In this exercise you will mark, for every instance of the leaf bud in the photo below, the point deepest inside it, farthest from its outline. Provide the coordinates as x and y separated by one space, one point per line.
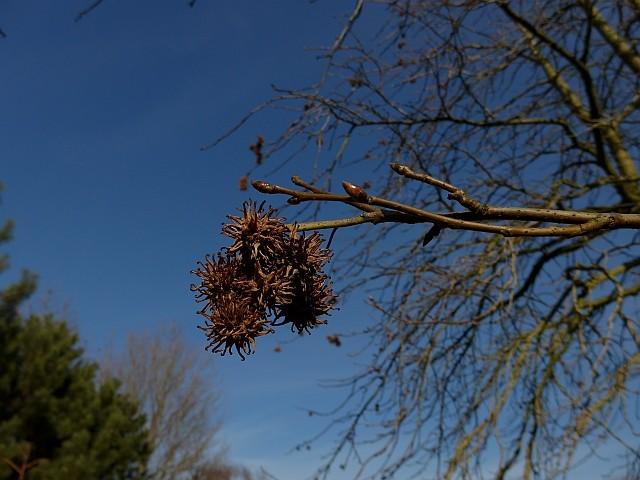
355 192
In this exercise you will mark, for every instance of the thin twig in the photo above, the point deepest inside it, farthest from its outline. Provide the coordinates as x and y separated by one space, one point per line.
312 188
88 10
357 10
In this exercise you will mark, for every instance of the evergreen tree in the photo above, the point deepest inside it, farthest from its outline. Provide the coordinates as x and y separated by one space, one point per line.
56 421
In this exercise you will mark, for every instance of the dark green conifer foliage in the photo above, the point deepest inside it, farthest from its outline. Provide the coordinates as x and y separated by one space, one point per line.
56 421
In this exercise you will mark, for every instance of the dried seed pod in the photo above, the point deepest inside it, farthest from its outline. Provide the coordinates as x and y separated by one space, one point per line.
218 277
235 323
308 306
269 271
257 236
313 295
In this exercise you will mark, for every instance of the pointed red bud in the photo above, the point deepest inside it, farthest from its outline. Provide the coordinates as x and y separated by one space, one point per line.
263 187
355 192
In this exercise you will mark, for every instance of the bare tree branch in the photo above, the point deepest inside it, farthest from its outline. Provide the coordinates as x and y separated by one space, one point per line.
585 222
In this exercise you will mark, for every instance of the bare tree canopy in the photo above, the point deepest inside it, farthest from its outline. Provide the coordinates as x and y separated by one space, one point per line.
173 386
507 339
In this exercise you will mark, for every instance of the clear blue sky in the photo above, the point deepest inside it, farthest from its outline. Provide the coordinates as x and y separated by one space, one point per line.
100 131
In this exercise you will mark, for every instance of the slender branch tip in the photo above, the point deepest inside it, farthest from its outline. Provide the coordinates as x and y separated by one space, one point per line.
398 167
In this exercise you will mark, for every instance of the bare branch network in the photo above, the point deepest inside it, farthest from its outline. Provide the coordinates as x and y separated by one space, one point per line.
510 346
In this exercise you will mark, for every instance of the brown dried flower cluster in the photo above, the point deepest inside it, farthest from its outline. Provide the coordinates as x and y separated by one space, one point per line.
269 276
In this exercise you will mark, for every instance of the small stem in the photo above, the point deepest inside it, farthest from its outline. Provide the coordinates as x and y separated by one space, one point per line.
455 193
324 224
312 188
375 217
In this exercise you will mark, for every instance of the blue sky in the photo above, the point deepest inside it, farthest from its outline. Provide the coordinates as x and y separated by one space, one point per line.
114 202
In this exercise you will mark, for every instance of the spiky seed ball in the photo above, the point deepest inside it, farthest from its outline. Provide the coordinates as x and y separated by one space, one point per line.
313 295
235 323
218 277
269 270
258 236
313 298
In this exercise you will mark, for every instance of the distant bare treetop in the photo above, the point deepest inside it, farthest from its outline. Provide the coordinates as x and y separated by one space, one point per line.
174 387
